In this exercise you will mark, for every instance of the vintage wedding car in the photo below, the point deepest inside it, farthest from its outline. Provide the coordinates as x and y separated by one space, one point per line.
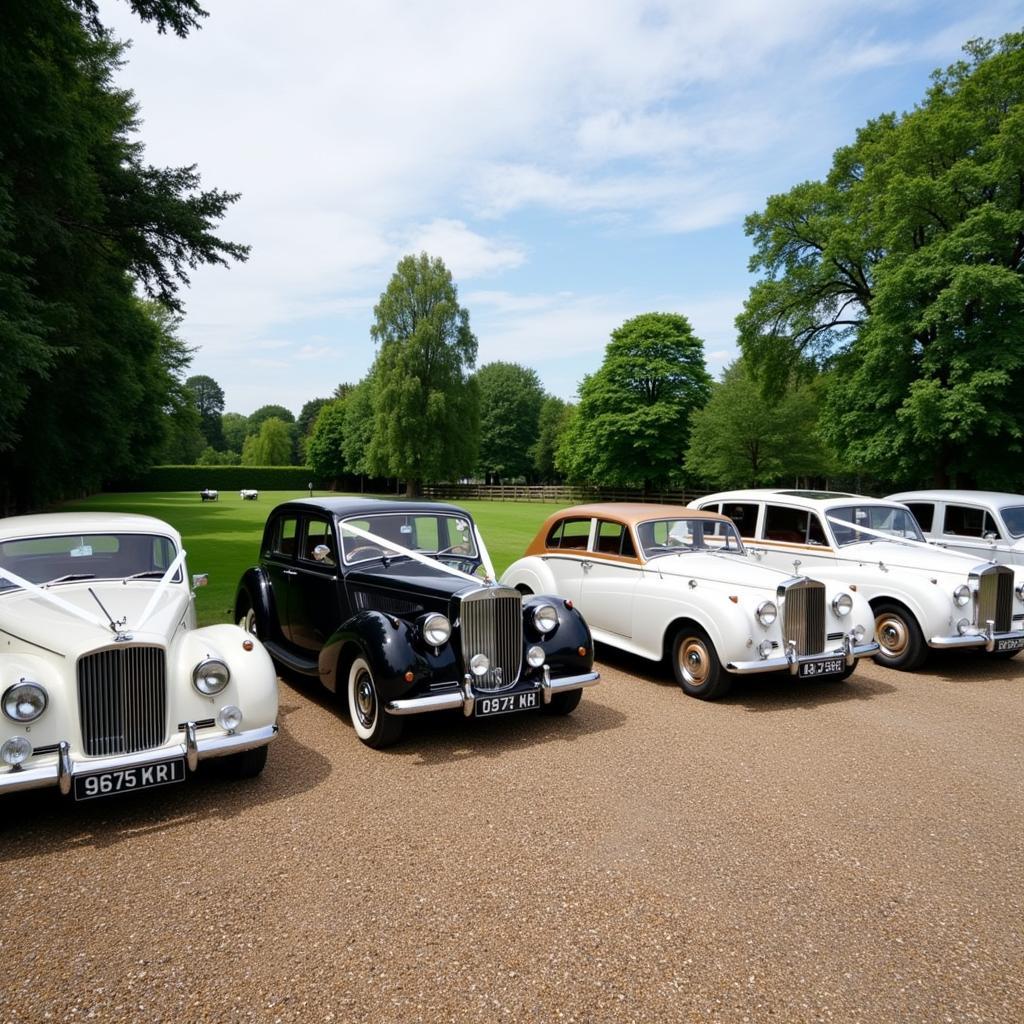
659 580
922 596
106 684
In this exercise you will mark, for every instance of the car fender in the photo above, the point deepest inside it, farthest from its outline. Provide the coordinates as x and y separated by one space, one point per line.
254 587
562 647
531 572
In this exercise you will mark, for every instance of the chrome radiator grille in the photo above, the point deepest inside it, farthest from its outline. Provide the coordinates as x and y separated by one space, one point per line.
803 616
492 624
122 700
995 598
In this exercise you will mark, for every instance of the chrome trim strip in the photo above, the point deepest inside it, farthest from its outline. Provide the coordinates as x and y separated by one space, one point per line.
848 651
983 639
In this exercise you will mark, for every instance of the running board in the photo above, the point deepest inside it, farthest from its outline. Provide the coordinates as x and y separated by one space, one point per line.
307 666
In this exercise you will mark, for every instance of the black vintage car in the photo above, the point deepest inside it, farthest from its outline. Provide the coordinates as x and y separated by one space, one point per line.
384 602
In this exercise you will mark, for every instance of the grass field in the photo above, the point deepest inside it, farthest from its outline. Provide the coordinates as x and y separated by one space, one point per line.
222 538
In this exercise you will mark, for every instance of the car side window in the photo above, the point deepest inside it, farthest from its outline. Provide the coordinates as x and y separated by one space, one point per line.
285 533
785 524
815 531
924 513
743 515
614 539
962 521
571 534
318 532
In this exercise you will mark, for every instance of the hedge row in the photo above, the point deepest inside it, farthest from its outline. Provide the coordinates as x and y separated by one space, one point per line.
220 478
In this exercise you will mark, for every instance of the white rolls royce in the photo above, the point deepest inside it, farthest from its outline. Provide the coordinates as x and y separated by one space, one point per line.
922 596
663 581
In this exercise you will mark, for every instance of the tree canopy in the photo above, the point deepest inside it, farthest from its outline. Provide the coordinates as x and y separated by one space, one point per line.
632 423
902 271
208 396
272 446
552 424
426 405
325 449
510 403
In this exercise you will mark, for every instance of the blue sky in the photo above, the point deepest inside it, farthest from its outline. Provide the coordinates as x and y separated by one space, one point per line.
573 163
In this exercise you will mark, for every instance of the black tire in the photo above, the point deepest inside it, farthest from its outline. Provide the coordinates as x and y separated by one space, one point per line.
696 665
900 637
847 672
373 725
1004 655
245 765
524 590
563 703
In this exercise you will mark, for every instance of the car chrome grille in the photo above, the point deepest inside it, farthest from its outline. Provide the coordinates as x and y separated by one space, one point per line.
492 624
803 615
122 700
995 598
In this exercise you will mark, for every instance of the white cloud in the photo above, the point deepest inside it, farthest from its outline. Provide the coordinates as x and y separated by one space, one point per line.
465 253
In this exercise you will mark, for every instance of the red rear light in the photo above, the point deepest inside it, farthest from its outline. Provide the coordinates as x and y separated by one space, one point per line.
568 603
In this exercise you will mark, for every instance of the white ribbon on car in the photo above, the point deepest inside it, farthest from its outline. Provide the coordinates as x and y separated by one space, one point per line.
880 534
417 556
59 602
161 587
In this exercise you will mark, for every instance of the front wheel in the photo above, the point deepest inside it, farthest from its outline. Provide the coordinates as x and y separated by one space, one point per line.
899 636
247 621
696 665
563 703
246 765
373 725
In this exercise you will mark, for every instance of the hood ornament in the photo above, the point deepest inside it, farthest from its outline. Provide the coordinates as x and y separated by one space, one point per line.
116 625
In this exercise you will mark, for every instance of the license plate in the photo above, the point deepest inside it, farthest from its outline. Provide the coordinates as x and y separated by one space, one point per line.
127 780
1010 643
823 667
508 702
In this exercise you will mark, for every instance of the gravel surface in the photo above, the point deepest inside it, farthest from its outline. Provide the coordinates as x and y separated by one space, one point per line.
800 851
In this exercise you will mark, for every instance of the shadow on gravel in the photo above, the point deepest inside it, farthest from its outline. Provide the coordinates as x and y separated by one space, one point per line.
770 691
974 667
42 819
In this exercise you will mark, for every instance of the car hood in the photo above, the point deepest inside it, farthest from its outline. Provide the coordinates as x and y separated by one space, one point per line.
406 576
920 557
32 617
727 570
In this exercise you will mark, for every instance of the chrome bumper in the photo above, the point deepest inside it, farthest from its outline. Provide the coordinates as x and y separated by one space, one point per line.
792 661
465 697
193 750
986 638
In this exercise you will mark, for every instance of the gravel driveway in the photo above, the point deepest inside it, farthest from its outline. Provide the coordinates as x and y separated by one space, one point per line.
801 851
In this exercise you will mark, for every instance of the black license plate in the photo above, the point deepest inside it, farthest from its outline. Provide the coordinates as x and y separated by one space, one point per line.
506 703
128 780
823 667
1010 643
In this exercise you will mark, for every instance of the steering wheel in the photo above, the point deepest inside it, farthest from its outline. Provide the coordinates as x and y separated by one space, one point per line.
465 563
365 551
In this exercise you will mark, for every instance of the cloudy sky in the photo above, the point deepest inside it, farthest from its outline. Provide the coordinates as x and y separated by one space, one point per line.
573 163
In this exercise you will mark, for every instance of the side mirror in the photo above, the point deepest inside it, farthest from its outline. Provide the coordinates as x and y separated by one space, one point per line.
991 537
321 552
200 579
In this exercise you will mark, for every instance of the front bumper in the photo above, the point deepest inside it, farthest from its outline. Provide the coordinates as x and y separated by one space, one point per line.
986 638
850 651
194 750
465 697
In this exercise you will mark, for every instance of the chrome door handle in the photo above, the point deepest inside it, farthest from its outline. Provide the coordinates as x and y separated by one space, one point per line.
587 566
290 572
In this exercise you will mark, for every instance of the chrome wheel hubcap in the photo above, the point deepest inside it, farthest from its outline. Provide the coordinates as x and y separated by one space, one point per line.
366 702
693 661
892 636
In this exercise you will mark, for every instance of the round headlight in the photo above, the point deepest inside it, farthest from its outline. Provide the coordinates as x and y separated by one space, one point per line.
479 664
229 717
436 630
842 604
767 613
859 632
210 676
962 595
535 656
16 750
962 626
545 618
24 702
764 648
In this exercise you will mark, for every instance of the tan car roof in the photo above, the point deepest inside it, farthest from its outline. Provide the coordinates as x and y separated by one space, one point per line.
628 512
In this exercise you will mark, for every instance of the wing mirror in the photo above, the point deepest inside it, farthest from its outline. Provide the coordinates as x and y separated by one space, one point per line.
200 579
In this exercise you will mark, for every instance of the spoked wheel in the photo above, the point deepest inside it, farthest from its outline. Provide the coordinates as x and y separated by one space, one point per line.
899 636
696 666
373 725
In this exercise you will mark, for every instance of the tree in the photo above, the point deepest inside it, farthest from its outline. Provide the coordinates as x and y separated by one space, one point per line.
265 412
272 446
743 439
426 409
632 425
235 428
325 450
510 403
357 431
304 426
84 222
552 423
902 271
209 401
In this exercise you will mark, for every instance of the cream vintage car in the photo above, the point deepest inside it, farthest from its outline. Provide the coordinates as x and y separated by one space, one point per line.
662 581
922 596
106 684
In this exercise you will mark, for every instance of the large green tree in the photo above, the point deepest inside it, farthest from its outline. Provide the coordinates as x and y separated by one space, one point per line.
510 403
325 448
904 271
357 433
272 446
632 423
742 438
84 223
208 396
552 424
235 428
426 405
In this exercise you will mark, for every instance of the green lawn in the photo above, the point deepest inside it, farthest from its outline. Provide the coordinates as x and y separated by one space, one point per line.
223 537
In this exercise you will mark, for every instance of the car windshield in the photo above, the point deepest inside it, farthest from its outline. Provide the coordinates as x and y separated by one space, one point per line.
432 533
852 524
1013 518
677 536
96 556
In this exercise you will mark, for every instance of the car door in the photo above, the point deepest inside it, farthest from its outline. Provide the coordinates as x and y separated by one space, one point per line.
566 549
314 609
794 539
972 530
279 564
610 579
